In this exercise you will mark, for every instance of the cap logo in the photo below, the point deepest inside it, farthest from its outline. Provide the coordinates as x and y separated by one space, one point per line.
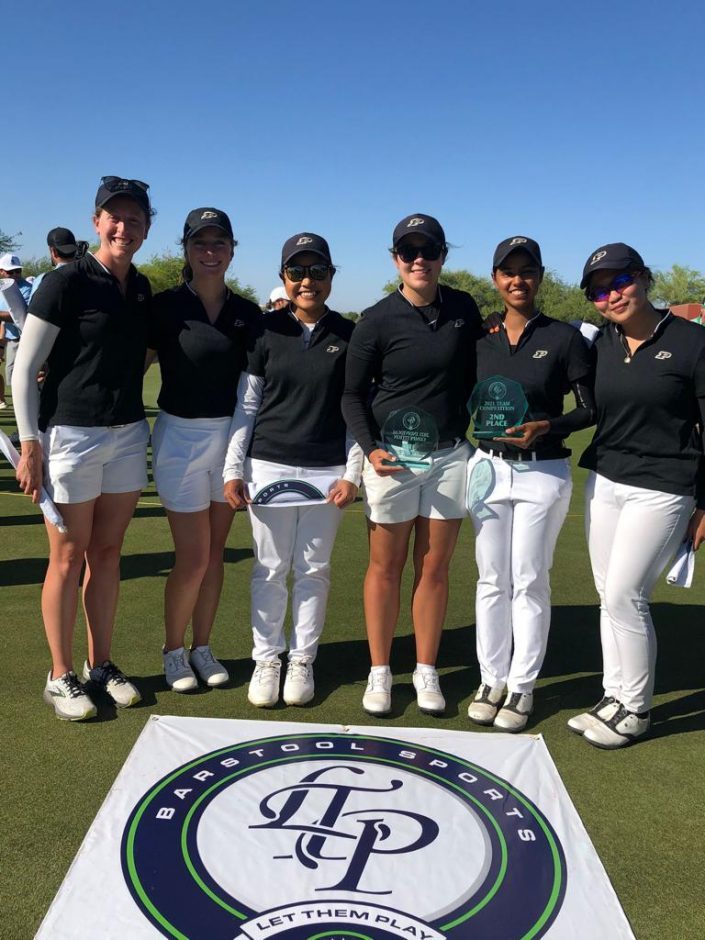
662 354
304 240
209 215
414 222
518 241
598 256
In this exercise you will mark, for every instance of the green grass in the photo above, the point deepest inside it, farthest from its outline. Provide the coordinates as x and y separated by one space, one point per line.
643 807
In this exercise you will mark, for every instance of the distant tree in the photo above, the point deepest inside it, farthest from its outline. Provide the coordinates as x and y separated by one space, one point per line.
31 267
562 301
164 271
8 242
351 315
680 285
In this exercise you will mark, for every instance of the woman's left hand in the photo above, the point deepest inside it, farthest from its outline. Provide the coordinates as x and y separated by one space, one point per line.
696 528
529 431
342 493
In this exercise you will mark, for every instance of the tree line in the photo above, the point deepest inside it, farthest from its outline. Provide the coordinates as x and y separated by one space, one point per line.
556 298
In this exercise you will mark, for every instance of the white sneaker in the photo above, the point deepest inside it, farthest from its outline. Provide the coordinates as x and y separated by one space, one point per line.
113 681
264 684
3 405
484 707
429 697
514 714
202 661
179 675
298 684
619 729
605 708
377 699
68 698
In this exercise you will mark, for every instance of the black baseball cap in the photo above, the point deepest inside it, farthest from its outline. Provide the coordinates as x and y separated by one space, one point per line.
63 241
204 217
111 186
613 257
419 224
305 241
516 243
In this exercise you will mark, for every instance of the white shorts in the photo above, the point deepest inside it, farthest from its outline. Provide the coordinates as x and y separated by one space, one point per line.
436 493
188 459
82 463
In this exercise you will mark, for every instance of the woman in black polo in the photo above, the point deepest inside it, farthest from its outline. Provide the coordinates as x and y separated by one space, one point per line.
291 463
414 349
646 487
519 487
199 331
88 446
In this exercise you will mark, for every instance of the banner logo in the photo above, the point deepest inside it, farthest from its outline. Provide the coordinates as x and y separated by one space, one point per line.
298 836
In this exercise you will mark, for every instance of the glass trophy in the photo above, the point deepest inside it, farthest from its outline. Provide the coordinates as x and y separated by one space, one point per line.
411 434
496 404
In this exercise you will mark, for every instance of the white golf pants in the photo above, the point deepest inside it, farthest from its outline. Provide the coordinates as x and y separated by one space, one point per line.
298 539
632 533
517 513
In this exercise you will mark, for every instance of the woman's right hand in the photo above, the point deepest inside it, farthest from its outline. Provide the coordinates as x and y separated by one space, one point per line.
235 494
30 469
378 457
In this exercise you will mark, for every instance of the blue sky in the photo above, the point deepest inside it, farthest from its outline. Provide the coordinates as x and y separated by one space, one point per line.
577 124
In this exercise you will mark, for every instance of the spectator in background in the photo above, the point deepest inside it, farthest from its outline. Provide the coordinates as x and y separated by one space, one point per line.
11 266
277 300
63 249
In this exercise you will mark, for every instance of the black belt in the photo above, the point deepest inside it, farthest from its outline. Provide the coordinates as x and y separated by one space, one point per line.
520 456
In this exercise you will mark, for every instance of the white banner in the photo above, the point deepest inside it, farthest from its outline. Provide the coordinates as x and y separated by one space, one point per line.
247 829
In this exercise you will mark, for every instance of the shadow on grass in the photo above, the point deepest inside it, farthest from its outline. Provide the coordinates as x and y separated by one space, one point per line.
571 676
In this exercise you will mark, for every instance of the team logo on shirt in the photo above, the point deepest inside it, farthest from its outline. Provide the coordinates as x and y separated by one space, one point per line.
412 223
598 256
295 836
540 354
458 324
332 349
304 240
663 354
239 323
140 298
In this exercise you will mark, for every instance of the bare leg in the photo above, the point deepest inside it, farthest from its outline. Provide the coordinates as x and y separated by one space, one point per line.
220 518
434 543
191 532
389 546
60 590
101 582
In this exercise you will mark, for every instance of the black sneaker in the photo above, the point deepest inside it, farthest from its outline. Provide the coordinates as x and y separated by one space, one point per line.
113 681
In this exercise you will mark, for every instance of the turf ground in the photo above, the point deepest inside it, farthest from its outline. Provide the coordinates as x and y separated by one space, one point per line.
643 807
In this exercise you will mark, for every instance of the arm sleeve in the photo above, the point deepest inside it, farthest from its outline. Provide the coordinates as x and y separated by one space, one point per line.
354 460
38 338
580 371
249 398
361 368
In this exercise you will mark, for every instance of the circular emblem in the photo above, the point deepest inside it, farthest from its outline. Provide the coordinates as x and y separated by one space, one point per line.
303 836
497 390
411 421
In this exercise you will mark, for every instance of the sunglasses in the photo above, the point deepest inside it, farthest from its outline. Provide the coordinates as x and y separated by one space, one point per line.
116 184
409 253
618 284
317 272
